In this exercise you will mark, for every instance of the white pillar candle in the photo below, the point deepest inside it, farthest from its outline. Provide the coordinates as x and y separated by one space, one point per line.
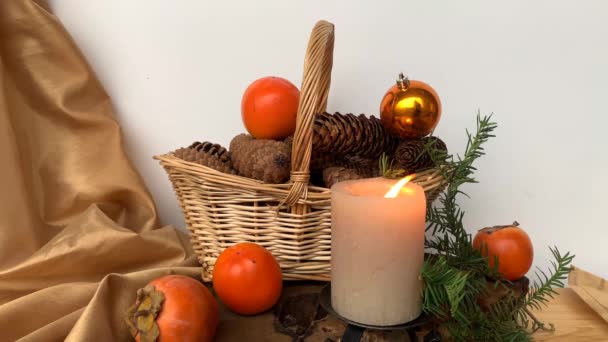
377 251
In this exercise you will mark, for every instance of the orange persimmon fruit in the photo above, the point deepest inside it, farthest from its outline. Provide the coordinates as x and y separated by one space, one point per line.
247 278
186 311
510 245
269 108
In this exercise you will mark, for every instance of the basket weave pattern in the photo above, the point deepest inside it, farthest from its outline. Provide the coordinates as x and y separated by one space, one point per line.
293 221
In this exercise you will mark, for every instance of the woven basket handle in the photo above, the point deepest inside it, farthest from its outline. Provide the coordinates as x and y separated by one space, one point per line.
313 100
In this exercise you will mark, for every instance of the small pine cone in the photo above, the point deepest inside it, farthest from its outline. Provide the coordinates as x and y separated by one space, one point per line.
336 174
206 158
367 167
212 149
265 160
410 154
321 161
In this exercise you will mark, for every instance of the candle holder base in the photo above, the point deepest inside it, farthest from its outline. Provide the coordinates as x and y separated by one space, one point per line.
354 330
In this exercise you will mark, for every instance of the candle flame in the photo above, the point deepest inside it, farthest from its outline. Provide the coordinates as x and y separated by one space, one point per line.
394 191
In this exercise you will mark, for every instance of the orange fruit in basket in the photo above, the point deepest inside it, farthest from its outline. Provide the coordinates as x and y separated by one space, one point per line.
510 245
269 108
247 279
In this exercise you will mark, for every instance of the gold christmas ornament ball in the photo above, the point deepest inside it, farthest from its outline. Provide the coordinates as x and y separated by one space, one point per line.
410 109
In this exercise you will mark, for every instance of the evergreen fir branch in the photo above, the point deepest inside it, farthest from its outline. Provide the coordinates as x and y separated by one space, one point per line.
456 291
544 289
447 219
495 325
455 276
449 290
460 270
536 323
436 274
460 169
499 331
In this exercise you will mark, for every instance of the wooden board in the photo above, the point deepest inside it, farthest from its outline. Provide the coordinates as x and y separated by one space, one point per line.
574 320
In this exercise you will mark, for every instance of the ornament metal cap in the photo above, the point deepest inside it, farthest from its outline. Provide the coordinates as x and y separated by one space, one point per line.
403 81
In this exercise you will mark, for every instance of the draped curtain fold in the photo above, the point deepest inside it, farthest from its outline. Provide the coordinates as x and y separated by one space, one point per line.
78 228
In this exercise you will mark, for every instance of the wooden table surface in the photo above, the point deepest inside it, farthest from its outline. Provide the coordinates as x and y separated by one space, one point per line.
573 319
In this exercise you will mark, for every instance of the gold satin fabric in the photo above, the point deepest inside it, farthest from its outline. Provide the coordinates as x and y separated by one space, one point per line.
78 228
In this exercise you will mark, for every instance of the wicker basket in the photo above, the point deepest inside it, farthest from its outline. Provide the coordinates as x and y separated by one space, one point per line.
293 221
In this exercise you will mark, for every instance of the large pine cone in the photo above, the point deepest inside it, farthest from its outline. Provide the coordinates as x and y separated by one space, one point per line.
347 134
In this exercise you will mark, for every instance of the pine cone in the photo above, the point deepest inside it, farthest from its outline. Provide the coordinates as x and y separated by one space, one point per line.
336 174
289 141
364 166
347 134
410 154
208 157
321 161
265 160
212 149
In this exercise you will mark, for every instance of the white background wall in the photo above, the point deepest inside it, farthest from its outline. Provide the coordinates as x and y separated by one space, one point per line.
176 71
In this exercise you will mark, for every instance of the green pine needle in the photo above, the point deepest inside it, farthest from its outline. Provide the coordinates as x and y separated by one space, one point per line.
544 289
387 170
